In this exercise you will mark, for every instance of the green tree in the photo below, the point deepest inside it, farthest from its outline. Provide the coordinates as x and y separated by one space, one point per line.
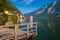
6 5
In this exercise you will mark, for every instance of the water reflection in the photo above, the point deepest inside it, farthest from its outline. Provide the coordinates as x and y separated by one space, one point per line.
48 29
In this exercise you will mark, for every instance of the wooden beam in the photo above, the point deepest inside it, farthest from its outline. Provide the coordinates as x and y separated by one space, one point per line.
31 21
36 29
16 31
27 30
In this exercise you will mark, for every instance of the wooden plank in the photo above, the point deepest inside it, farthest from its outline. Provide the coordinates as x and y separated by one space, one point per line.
18 32
28 31
16 24
6 36
31 22
36 29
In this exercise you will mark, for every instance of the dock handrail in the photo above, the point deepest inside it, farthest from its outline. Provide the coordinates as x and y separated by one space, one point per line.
16 24
24 28
28 29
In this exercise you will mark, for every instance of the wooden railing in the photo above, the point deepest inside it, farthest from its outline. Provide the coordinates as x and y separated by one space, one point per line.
28 29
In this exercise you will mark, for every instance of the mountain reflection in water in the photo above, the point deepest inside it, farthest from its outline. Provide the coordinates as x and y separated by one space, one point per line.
48 31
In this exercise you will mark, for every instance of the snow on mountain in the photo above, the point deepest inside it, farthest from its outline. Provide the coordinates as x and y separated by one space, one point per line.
49 9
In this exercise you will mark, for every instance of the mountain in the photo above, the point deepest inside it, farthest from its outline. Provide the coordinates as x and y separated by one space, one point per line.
47 9
48 16
8 9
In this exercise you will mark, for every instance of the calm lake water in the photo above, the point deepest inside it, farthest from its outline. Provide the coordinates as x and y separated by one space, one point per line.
47 32
44 33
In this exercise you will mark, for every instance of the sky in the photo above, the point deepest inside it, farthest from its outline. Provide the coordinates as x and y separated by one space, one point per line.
26 6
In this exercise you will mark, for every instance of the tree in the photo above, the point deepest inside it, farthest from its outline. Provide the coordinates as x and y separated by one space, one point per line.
6 5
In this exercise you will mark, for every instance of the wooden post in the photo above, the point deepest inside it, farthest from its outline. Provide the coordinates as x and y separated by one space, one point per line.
16 28
29 27
16 31
31 21
36 29
27 30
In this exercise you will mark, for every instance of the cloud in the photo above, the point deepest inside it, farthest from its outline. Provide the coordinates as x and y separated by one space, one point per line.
27 1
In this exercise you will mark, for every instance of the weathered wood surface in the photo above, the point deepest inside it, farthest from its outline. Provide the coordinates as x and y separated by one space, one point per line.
6 33
9 34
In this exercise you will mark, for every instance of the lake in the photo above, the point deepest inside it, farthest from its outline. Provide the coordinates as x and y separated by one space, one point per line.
48 33
47 30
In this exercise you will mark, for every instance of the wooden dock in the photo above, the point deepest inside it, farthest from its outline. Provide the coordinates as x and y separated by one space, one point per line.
18 33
